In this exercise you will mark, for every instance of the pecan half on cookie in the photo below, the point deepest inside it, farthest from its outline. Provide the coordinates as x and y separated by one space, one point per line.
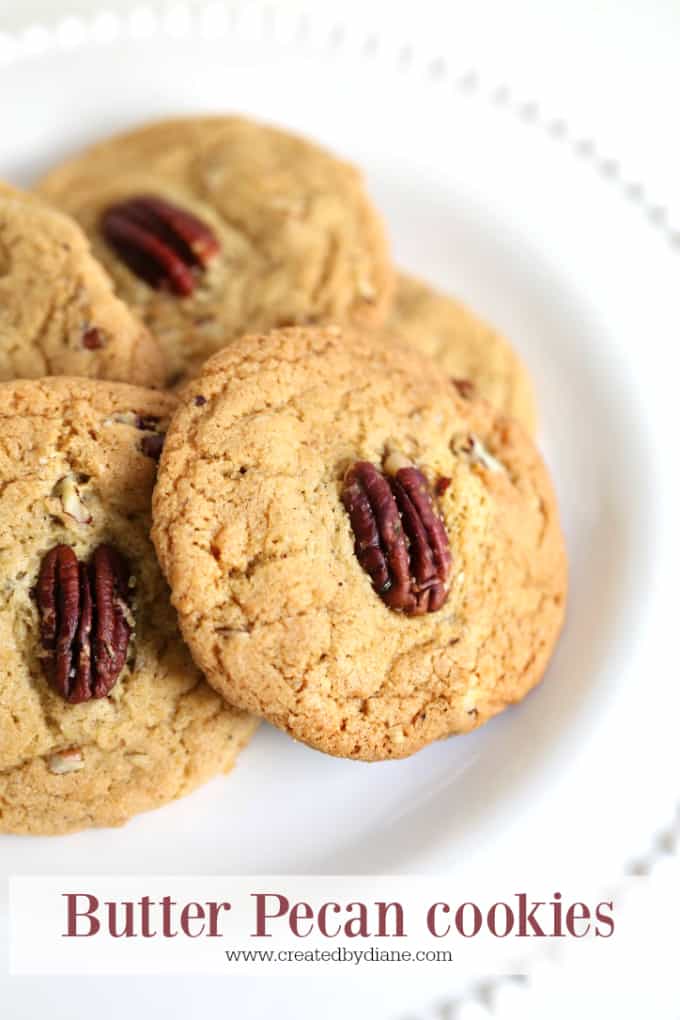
164 245
400 540
84 621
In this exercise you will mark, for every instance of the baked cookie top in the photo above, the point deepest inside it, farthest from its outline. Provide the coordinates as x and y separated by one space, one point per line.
463 345
102 712
58 312
211 226
357 551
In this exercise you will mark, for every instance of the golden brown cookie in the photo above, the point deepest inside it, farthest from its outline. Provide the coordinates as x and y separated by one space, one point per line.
102 712
356 550
58 312
211 226
463 345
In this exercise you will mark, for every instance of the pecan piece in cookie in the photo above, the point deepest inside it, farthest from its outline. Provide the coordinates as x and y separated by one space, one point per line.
84 621
164 245
93 339
152 445
400 541
466 388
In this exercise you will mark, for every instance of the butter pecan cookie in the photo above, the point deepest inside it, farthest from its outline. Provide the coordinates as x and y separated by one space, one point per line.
358 551
211 226
58 312
102 712
464 346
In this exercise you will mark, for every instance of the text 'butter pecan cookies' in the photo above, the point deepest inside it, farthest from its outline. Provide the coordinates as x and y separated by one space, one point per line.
102 712
58 312
357 551
214 226
464 346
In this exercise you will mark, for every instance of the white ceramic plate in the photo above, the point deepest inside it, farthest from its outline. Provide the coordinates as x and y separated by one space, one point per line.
509 210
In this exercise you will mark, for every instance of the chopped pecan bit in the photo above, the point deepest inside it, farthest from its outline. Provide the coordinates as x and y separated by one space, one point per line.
85 621
478 453
394 461
93 339
152 445
465 388
164 245
441 485
146 422
61 763
400 540
122 418
67 491
143 422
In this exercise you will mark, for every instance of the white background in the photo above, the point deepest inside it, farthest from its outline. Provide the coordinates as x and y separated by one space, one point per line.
612 68
609 65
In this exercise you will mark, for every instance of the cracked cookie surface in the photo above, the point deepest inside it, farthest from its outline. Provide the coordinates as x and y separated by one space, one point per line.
298 239
58 312
463 345
73 471
259 551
